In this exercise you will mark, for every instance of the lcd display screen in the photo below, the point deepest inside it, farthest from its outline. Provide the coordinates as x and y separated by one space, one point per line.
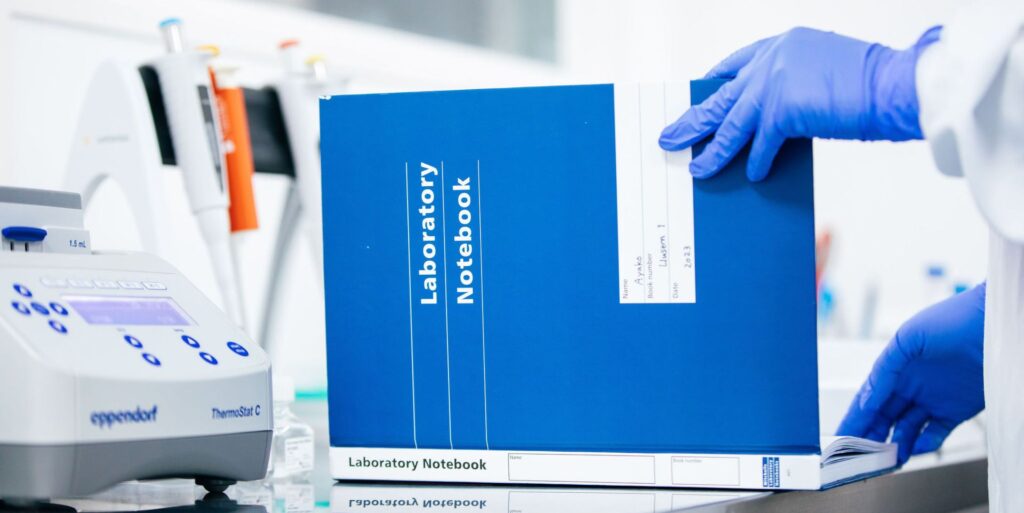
129 311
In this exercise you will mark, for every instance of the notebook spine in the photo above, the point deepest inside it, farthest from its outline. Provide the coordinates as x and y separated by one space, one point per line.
720 471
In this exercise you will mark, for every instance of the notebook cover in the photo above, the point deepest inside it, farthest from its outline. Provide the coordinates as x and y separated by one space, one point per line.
547 355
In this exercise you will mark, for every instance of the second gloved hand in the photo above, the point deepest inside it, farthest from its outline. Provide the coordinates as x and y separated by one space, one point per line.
804 83
927 380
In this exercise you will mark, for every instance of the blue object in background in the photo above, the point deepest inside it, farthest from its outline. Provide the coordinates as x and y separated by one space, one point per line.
549 359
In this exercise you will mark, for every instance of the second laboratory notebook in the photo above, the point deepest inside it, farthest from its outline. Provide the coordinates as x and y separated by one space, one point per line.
525 270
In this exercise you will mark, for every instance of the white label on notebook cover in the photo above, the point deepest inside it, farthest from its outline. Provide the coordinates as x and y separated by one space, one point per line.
655 197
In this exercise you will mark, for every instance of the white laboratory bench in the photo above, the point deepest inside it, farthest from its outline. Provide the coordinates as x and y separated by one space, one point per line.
953 481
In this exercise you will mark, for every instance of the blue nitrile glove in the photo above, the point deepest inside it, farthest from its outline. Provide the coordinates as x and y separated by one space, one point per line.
927 380
803 83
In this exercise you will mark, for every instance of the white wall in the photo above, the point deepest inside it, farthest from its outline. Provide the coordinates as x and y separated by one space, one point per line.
49 51
890 209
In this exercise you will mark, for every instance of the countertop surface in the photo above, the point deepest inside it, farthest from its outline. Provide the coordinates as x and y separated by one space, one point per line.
950 482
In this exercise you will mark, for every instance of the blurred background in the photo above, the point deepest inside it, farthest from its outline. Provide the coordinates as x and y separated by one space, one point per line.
896 233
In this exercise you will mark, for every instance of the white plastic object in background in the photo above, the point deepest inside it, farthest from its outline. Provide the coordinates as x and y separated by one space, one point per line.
195 133
937 285
292 453
115 139
299 91
303 82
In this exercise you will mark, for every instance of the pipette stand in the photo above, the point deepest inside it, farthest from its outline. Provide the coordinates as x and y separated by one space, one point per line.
116 140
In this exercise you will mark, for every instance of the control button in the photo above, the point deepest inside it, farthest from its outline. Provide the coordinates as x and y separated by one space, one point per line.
132 341
106 284
131 285
41 308
20 307
208 358
154 285
58 327
238 348
22 290
23 233
57 283
58 308
154 361
190 341
80 284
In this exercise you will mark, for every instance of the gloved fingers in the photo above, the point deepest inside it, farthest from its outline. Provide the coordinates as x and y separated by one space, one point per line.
885 373
896 407
879 429
857 420
766 145
700 120
886 417
736 129
933 435
872 423
731 65
905 432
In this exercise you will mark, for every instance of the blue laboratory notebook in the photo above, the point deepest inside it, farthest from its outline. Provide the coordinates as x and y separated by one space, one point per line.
522 287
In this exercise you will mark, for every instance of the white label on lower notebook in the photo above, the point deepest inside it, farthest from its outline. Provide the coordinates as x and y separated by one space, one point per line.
654 197
705 471
581 468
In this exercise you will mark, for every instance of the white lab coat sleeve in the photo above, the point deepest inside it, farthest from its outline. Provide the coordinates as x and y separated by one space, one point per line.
970 88
1004 378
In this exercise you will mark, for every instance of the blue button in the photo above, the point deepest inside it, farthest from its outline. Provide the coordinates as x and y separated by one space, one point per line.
41 308
20 307
154 361
58 327
24 233
132 341
59 308
238 348
190 341
23 290
208 357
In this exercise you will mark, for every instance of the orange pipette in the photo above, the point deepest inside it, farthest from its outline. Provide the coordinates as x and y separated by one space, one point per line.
238 149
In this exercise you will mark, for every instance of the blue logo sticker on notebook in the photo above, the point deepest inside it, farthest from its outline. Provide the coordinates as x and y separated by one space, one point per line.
770 472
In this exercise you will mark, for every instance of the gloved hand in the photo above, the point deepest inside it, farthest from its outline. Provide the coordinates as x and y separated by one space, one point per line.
927 380
803 83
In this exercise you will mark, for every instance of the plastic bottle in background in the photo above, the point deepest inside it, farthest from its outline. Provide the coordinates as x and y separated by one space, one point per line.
291 455
293 497
249 493
937 285
869 311
831 323
826 308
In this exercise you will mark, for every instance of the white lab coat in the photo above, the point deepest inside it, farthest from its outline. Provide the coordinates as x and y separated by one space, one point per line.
971 91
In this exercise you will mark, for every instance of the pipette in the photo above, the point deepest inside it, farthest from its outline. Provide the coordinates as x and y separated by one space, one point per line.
195 132
234 122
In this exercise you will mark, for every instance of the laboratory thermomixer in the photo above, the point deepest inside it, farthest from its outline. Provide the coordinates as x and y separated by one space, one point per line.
114 366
